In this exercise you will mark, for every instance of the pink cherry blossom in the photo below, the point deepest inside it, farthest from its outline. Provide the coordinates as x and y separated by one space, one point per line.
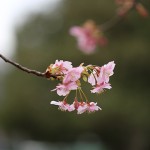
105 72
88 37
64 89
62 66
82 108
109 68
92 107
70 76
93 78
71 108
86 42
99 88
100 77
73 74
62 105
89 107
101 74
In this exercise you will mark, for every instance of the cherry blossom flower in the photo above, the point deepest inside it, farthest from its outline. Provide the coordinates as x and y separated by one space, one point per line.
64 89
100 77
92 107
102 74
63 64
59 67
106 71
82 108
88 37
71 107
62 105
87 107
100 87
73 74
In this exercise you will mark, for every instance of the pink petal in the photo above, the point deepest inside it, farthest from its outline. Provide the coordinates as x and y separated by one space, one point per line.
100 88
76 31
93 107
55 103
71 108
73 74
82 108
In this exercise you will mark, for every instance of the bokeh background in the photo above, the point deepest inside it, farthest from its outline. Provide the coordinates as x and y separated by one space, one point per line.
29 122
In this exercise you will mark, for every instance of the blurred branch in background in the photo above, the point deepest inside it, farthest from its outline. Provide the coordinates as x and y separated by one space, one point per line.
90 35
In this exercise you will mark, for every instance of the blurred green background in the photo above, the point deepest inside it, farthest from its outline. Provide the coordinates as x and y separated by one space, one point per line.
123 124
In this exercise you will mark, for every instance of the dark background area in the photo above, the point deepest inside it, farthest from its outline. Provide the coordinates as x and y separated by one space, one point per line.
123 124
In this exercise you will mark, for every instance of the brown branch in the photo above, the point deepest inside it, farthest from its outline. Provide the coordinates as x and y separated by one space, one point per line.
111 23
27 70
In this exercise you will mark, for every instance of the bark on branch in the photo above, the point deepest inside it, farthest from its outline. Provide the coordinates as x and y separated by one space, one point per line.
27 70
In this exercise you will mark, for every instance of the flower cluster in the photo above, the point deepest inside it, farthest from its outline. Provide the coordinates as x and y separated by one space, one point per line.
81 107
70 78
126 5
88 36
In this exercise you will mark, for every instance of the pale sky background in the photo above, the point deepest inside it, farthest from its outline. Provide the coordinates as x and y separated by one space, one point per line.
14 12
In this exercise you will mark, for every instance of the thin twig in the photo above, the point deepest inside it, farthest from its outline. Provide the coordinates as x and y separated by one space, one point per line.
27 70
111 23
115 19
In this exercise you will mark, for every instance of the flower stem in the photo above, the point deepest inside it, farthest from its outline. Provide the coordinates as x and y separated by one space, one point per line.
84 95
65 98
80 94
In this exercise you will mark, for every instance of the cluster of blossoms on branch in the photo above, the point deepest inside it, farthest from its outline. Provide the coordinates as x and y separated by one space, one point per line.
89 35
70 78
